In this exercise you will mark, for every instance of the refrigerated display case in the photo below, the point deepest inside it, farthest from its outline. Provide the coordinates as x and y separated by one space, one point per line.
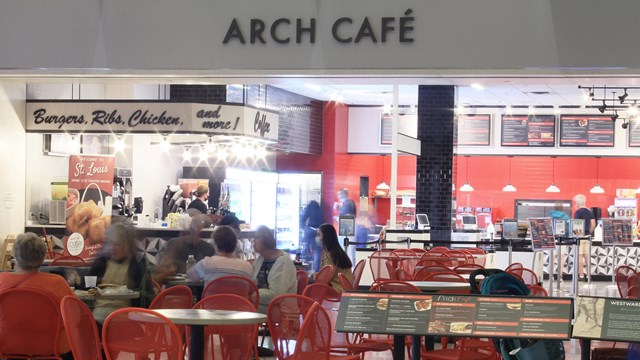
239 198
288 216
263 204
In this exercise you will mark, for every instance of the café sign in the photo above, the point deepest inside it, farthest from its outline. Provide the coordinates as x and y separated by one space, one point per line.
150 117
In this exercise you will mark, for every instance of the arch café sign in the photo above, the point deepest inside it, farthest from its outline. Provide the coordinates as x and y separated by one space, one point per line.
150 117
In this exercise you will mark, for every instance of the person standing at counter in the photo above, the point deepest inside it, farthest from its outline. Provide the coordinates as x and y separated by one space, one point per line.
199 204
116 264
273 270
310 220
224 262
333 255
584 213
558 214
175 255
345 206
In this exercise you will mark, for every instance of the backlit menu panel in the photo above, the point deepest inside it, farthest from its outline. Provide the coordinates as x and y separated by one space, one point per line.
607 319
587 130
474 130
634 133
528 130
455 315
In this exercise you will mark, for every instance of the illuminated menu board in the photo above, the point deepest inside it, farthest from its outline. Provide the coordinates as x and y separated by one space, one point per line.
587 130
474 130
542 233
617 232
455 315
528 130
607 319
634 133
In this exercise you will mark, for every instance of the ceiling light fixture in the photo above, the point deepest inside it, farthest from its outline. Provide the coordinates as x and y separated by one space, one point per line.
509 187
623 97
553 188
386 109
508 110
383 185
556 109
632 111
204 154
602 108
592 92
532 110
466 187
186 155
119 144
477 86
597 189
615 116
74 145
625 125
165 145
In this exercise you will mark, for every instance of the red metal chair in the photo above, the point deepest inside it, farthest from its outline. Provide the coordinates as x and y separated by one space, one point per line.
141 332
237 342
324 275
479 256
460 352
303 280
537 290
445 277
69 261
233 284
528 276
442 257
424 272
403 275
377 264
357 273
314 340
433 261
81 329
321 292
622 276
391 269
634 292
467 268
404 252
439 249
408 265
634 279
53 255
419 251
175 297
394 286
30 323
461 257
515 268
285 316
346 284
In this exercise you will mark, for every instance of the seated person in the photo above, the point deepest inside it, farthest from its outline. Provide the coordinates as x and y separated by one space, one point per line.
273 269
233 222
327 238
29 251
174 257
116 264
225 262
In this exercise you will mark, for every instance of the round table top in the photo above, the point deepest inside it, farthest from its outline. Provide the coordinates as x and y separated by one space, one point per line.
440 285
212 317
185 282
82 295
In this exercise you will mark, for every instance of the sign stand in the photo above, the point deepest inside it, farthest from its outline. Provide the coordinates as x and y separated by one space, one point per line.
550 271
510 248
614 262
574 283
560 269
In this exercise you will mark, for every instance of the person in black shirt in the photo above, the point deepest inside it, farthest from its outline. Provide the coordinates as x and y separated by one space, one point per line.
344 206
310 220
199 204
584 213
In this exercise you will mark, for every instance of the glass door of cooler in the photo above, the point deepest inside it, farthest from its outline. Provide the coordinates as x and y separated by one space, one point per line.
288 216
239 198
263 204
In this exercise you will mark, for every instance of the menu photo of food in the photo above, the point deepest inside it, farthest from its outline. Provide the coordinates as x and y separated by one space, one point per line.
461 327
382 304
439 327
422 305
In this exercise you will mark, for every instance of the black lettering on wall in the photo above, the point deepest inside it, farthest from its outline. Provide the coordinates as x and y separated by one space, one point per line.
365 31
234 32
406 27
257 28
335 30
274 31
300 30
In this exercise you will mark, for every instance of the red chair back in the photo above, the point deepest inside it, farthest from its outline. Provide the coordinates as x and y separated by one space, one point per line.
70 261
408 265
324 275
622 276
404 252
460 257
322 292
236 341
467 268
439 249
233 284
30 323
634 292
515 268
419 251
377 264
394 286
537 290
175 297
140 332
633 280
81 329
391 270
285 316
346 284
438 256
528 276
445 277
357 273
403 275
314 340
303 280
432 261
421 274
480 257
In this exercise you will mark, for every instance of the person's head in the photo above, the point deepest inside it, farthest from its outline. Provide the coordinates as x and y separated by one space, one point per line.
558 206
198 222
29 251
328 239
224 239
120 242
264 241
580 200
343 194
233 222
202 192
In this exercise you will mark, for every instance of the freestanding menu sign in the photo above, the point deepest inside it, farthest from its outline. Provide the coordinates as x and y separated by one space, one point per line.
474 130
455 315
542 233
607 319
528 130
587 130
617 232
88 204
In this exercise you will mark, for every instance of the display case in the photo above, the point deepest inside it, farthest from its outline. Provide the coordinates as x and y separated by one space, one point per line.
287 216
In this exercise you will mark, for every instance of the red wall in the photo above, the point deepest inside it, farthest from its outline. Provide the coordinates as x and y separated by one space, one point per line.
531 175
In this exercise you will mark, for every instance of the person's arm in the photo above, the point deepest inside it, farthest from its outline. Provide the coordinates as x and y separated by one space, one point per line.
592 226
280 279
196 273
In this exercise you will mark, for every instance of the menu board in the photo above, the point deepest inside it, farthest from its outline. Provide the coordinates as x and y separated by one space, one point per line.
455 315
618 232
634 133
528 130
542 233
587 130
474 130
510 230
607 319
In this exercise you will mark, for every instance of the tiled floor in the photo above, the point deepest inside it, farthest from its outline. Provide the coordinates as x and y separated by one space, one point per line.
572 347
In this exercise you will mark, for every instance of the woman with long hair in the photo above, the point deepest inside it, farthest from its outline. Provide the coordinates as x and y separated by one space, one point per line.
327 238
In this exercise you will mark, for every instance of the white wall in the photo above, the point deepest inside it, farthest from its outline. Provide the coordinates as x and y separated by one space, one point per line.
364 129
12 160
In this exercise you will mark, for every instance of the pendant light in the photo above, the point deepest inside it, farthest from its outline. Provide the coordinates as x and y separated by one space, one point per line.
383 185
553 188
509 187
597 189
466 187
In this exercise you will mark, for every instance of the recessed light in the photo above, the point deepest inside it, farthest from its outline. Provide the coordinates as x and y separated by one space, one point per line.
477 86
